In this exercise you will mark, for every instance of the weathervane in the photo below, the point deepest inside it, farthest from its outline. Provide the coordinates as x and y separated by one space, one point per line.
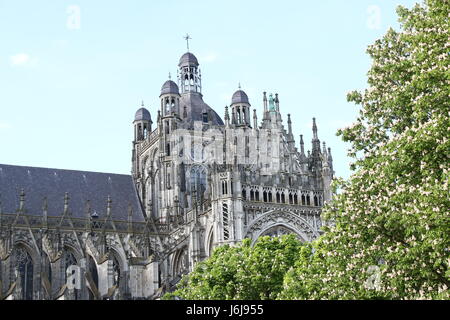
187 37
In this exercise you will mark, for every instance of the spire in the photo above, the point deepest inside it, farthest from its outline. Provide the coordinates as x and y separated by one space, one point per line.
277 102
255 120
324 149
314 129
302 145
330 158
289 125
265 102
227 116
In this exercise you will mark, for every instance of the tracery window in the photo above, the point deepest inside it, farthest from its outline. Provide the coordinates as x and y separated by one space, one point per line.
25 268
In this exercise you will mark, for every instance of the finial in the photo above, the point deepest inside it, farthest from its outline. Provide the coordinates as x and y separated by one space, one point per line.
108 206
314 128
142 103
187 37
170 76
227 116
22 200
239 85
66 203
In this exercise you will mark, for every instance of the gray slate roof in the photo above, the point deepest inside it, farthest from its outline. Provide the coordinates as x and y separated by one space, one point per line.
81 186
188 59
195 106
169 87
142 114
239 97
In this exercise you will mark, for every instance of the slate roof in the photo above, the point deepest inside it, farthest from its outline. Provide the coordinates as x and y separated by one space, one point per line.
142 114
239 97
81 186
169 87
195 106
188 59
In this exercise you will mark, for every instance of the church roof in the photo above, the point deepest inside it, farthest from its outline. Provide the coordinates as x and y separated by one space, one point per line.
142 114
188 59
195 107
81 186
169 87
239 97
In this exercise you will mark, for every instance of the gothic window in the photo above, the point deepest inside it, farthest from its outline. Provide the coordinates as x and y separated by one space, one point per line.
283 198
198 179
316 201
308 200
167 106
205 117
116 271
167 127
265 199
168 149
252 195
295 199
257 195
277 231
278 197
224 187
270 196
303 200
24 280
291 199
244 194
70 260
92 271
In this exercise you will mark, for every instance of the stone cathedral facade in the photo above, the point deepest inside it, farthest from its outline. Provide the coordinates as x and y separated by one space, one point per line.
197 182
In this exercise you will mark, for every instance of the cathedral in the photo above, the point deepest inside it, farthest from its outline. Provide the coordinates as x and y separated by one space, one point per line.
197 181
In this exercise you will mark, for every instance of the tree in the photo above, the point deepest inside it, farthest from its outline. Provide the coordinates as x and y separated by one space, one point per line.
389 231
242 272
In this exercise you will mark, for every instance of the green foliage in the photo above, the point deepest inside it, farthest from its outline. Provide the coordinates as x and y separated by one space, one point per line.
242 272
393 213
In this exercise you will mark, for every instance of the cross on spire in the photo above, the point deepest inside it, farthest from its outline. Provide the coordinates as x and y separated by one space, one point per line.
187 37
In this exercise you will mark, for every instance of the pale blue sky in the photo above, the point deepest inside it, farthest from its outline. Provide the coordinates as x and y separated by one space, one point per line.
68 95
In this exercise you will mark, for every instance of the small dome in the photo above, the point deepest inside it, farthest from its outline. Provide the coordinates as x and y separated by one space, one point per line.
239 97
188 59
169 87
142 115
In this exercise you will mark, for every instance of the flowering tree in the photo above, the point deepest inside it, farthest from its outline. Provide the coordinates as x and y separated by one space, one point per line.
242 272
390 225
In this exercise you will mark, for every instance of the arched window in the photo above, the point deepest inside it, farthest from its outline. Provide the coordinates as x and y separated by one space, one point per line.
257 195
295 198
116 270
70 260
198 179
291 198
270 196
244 194
265 198
283 198
316 201
278 197
92 271
252 195
24 281
308 200
303 200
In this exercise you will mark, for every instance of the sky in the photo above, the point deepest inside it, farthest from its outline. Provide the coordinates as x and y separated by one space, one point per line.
73 73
